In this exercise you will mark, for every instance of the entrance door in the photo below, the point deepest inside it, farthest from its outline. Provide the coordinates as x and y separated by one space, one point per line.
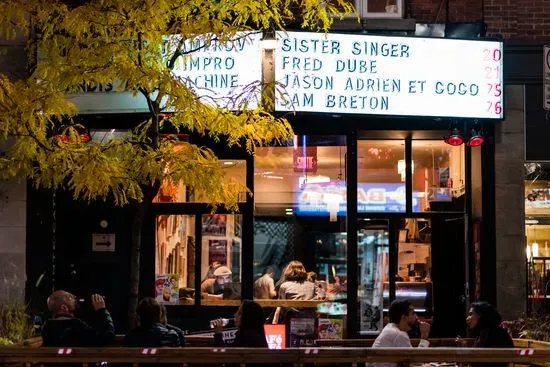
416 259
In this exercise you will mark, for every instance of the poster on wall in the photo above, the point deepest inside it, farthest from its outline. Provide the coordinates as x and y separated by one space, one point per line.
167 289
383 75
331 329
302 332
217 251
537 197
214 225
275 336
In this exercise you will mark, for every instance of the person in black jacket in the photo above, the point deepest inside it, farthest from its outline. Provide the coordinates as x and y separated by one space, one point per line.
66 330
484 323
151 332
164 321
249 318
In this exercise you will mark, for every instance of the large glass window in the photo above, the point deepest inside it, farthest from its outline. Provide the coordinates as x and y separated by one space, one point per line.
381 176
175 259
234 170
300 207
438 176
221 259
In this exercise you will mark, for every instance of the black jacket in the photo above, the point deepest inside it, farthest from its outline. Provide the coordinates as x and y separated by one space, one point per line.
493 337
156 336
247 339
73 332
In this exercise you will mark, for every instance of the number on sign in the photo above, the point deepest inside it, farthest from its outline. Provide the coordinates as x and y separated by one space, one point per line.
495 107
492 55
492 72
495 89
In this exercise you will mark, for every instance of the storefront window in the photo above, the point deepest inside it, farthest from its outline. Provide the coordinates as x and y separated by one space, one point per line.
381 176
537 232
438 176
235 171
221 259
300 208
175 259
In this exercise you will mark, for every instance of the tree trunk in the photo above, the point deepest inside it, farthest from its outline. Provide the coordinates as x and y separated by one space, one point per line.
149 194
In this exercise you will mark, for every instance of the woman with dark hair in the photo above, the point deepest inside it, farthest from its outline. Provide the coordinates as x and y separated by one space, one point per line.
249 318
484 323
296 285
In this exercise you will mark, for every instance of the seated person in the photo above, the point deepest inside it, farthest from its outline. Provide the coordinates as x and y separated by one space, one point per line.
164 321
151 332
66 330
394 335
214 287
250 319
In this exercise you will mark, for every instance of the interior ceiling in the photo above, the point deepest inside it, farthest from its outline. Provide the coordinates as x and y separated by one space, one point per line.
372 154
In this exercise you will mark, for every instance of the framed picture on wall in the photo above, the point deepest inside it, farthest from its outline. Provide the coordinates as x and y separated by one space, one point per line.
217 251
214 225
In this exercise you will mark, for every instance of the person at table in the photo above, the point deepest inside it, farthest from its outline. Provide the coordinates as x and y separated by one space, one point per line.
394 335
214 287
164 321
66 330
264 287
151 332
484 324
249 320
296 286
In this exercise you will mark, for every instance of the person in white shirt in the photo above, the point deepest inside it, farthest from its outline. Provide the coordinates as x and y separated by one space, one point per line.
264 287
394 335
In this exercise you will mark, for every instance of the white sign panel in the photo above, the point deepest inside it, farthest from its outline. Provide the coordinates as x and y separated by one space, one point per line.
224 75
547 77
103 242
402 76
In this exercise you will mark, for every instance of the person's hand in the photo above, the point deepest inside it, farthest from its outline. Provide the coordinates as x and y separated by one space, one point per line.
218 326
98 302
424 330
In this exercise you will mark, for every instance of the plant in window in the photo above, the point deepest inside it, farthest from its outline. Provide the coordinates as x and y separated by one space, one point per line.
130 46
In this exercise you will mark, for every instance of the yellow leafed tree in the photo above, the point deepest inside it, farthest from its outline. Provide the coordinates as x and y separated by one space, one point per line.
135 45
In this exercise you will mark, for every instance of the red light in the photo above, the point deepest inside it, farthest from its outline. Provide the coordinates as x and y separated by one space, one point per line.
84 138
454 140
62 137
475 141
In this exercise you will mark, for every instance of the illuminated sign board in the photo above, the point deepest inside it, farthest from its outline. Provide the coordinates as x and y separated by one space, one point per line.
221 74
381 75
318 198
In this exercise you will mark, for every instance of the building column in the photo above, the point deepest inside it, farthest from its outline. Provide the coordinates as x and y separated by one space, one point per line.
509 206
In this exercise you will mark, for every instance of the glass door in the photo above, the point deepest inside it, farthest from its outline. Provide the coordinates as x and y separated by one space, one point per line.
373 273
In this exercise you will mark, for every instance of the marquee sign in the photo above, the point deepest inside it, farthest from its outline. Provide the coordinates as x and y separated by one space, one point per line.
381 75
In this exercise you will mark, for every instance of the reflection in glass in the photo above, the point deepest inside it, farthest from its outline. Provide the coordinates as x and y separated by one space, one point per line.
414 264
438 176
373 272
234 170
175 258
221 257
380 175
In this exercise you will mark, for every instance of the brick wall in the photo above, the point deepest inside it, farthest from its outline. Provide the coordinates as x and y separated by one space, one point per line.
513 19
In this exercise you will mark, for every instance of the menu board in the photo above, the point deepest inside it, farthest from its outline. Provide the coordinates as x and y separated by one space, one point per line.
383 75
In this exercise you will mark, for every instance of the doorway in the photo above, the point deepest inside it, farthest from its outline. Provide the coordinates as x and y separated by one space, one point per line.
419 259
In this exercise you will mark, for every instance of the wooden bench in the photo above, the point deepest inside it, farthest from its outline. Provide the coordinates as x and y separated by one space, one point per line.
190 340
